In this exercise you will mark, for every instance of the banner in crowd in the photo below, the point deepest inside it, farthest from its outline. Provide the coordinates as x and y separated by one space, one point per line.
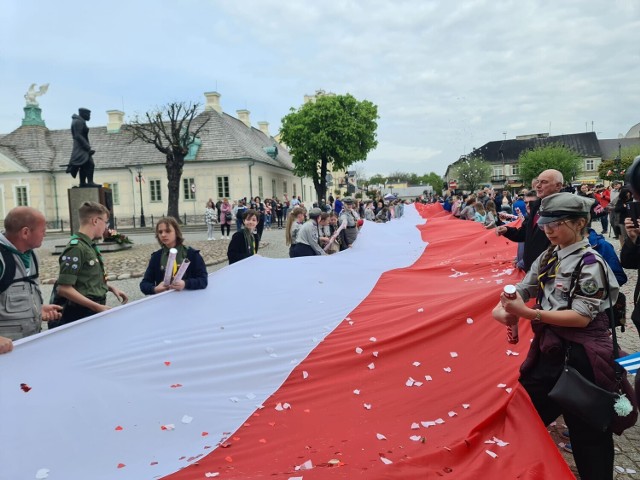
382 361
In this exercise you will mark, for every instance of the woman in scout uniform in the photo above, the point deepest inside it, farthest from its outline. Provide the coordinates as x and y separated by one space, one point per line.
244 243
295 220
169 236
349 214
82 279
569 321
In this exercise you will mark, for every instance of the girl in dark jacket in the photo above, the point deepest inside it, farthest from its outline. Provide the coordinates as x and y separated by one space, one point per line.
244 243
169 236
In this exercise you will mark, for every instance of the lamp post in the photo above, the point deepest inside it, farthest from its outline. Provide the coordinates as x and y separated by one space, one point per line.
142 221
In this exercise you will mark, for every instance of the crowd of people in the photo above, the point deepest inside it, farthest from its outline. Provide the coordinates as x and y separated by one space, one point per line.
569 293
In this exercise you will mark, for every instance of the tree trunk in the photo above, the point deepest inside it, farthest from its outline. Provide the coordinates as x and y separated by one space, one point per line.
175 162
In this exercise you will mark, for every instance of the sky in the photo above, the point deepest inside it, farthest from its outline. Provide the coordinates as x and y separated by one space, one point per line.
447 76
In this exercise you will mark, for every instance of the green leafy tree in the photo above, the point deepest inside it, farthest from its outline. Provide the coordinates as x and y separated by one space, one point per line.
377 179
334 131
433 179
171 129
556 156
608 170
473 172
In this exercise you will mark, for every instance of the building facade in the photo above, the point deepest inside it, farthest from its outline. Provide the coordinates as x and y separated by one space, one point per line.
230 158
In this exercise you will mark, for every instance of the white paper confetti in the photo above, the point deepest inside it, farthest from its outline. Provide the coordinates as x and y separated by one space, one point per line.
508 390
375 354
439 421
308 465
367 406
416 364
447 369
305 374
619 469
502 385
511 352
410 382
234 399
211 474
42 473
415 438
630 471
295 478
491 454
168 426
283 406
350 323
380 436
415 426
453 354
371 366
386 461
465 405
420 310
469 321
500 443
356 391
373 339
428 378
452 413
417 384
359 350
187 419
250 396
428 424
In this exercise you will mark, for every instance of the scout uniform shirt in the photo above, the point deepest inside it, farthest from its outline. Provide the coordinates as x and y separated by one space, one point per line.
81 266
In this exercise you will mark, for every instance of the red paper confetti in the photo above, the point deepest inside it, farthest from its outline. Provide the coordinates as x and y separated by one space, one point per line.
204 434
24 387
236 438
262 440
167 363
121 465
229 459
273 424
176 385
118 428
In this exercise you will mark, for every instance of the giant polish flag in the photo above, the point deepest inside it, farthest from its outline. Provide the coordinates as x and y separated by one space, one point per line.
380 362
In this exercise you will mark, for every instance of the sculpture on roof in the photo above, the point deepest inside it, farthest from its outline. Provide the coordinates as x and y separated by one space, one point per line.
31 94
82 154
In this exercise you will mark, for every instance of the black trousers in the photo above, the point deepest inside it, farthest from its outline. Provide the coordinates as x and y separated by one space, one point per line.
73 311
592 450
302 250
223 226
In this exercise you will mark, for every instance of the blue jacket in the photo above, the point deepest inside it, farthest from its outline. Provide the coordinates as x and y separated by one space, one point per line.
606 251
521 205
195 278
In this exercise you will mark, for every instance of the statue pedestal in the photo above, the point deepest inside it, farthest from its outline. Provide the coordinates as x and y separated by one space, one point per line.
77 196
33 116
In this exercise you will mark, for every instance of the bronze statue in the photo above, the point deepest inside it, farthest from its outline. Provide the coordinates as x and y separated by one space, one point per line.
82 154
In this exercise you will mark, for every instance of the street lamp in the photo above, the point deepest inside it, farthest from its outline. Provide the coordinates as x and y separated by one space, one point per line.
142 221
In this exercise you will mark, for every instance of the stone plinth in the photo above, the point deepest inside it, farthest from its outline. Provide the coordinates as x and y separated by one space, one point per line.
77 196
33 116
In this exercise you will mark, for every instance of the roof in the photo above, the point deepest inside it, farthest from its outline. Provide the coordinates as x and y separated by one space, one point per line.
609 147
223 138
585 144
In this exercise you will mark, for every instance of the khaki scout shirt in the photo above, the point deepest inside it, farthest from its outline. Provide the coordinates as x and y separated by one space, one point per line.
81 266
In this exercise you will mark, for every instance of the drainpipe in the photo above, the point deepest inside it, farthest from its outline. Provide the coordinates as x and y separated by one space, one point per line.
55 196
133 192
251 181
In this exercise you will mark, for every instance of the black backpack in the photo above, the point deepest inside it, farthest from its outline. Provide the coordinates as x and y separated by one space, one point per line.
9 262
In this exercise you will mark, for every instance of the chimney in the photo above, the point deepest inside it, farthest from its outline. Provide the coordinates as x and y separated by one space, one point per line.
213 101
264 128
116 119
243 116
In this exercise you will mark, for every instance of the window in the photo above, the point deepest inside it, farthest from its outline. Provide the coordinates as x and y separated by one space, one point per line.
155 190
273 188
515 169
260 192
497 171
223 187
21 197
294 190
115 192
589 164
284 187
188 189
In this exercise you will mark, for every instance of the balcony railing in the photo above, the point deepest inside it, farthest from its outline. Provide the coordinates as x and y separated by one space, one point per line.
498 178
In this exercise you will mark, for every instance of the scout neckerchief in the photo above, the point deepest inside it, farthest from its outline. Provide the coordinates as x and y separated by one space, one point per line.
181 255
249 241
549 271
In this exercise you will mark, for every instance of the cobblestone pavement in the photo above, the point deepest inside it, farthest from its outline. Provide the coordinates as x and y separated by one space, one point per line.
126 266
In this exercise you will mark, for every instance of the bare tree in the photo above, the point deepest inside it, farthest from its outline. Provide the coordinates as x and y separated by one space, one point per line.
171 128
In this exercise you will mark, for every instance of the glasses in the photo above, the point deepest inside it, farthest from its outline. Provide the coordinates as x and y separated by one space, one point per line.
551 225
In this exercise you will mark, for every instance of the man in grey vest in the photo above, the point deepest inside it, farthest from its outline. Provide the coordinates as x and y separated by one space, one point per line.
21 306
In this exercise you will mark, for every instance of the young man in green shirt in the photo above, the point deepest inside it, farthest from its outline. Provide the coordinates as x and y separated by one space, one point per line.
82 280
